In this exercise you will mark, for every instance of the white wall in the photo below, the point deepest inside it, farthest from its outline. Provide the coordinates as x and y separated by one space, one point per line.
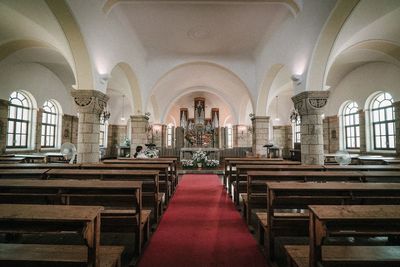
359 84
39 81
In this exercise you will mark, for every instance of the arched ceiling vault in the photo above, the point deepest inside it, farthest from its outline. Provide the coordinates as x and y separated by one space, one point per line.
359 54
182 78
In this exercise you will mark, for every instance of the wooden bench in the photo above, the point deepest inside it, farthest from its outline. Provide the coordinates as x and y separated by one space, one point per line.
297 196
122 201
240 181
56 255
353 221
371 256
152 198
39 166
231 172
165 183
257 189
82 220
23 173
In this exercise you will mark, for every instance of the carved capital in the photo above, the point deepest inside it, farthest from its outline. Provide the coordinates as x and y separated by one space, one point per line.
89 101
310 102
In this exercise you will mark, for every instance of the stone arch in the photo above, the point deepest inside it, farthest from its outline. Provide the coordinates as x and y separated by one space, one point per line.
326 40
83 66
135 89
261 109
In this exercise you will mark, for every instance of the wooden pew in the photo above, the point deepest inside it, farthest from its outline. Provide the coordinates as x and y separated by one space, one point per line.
23 173
362 168
256 196
231 173
55 218
240 182
297 196
34 255
164 178
152 198
172 162
122 200
381 176
354 221
39 166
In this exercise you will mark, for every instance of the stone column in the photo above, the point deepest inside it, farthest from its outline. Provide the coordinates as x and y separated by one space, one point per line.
396 106
3 125
164 135
363 140
260 134
139 124
310 105
90 104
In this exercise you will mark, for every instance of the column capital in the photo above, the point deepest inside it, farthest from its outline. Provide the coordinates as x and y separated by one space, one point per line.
310 102
260 118
89 101
139 118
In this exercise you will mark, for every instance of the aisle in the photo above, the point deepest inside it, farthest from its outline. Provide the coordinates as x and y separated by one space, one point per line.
201 227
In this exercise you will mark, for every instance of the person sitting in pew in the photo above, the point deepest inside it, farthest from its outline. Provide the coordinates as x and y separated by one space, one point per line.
140 153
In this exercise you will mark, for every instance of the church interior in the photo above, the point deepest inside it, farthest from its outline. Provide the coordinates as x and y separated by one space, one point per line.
200 133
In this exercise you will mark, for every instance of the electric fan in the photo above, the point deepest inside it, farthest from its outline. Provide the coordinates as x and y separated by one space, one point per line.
68 150
342 157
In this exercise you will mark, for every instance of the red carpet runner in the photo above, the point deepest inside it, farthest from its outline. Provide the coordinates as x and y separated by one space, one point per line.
201 227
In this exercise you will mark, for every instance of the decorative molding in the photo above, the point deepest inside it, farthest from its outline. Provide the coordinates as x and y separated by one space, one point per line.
317 102
90 101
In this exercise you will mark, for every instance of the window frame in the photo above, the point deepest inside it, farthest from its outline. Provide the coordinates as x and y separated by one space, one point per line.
102 132
21 121
47 125
384 122
351 126
297 131
169 136
229 137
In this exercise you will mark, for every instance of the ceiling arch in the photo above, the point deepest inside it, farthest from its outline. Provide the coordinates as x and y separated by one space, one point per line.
359 54
180 79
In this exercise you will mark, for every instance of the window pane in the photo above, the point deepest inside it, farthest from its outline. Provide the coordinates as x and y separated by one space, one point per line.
18 140
9 140
376 115
391 128
389 113
18 127
377 129
10 127
23 140
381 115
383 129
356 119
25 114
357 131
377 142
383 141
13 112
391 141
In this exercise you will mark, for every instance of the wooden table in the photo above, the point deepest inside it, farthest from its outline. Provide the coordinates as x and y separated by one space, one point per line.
296 195
353 220
14 218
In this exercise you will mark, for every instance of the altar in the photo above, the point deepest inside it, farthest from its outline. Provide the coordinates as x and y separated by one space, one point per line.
187 152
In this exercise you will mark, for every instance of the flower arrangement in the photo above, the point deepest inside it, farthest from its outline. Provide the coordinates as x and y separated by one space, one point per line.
199 156
151 153
212 163
187 163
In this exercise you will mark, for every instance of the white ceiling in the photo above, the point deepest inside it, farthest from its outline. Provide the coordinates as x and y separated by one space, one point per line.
205 28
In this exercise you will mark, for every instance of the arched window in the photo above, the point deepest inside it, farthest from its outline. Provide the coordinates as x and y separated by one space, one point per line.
50 124
297 131
103 132
229 136
382 118
351 123
169 135
19 118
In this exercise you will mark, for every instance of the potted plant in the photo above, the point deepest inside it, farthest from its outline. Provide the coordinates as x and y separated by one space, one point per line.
199 157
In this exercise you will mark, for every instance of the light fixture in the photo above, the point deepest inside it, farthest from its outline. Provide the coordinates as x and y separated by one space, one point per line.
276 110
123 107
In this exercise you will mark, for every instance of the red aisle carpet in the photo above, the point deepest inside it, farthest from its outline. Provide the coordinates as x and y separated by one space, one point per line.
201 227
